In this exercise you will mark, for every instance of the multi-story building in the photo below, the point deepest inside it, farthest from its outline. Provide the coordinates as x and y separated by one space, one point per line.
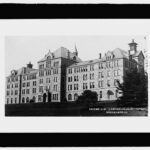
101 75
62 75
21 85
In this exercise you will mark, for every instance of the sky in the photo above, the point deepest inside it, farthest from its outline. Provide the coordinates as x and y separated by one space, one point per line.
20 50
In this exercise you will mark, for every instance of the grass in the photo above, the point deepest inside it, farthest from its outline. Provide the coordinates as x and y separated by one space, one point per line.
70 109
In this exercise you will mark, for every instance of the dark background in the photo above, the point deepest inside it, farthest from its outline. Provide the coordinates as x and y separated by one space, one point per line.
74 11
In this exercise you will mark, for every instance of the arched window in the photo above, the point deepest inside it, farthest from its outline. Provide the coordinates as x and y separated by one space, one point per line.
23 100
69 97
34 98
75 96
27 100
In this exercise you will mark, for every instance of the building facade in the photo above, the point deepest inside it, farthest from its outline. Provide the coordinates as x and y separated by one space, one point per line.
62 75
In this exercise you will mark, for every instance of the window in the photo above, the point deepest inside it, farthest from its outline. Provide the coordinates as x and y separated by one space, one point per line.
85 77
11 92
7 93
115 73
85 86
8 86
48 72
40 81
76 78
39 98
34 83
55 96
100 95
55 71
15 100
12 86
41 73
91 76
70 70
100 65
23 91
55 87
41 89
69 87
91 67
27 91
91 85
48 64
100 83
75 86
41 66
69 97
34 90
27 100
16 85
16 92
28 84
56 64
48 80
55 79
23 84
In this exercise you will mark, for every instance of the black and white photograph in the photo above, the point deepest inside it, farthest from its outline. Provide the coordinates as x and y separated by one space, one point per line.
86 75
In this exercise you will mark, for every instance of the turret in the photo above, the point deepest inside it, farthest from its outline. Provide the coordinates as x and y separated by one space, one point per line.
133 48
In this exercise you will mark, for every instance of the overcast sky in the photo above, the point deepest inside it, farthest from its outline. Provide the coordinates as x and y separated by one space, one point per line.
19 50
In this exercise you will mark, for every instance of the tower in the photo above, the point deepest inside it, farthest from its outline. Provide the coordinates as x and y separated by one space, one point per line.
133 47
76 51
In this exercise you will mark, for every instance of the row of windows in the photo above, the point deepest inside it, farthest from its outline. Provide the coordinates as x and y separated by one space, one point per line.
8 92
48 72
12 79
102 65
48 64
41 88
12 86
92 85
100 75
55 96
71 88
100 95
28 84
70 98
48 80
29 77
27 91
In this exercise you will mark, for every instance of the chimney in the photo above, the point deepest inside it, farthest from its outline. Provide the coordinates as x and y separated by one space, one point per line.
100 55
29 65
68 54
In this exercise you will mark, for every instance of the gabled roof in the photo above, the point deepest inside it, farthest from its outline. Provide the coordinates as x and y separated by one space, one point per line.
138 53
61 52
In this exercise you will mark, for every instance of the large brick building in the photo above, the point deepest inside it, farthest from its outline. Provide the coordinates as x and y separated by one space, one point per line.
62 75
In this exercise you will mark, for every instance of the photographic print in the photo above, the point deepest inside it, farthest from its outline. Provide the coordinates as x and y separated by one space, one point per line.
76 75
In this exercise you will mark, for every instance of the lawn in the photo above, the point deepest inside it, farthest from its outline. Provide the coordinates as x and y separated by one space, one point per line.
72 109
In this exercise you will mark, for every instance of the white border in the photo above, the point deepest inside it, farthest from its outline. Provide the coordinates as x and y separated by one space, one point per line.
69 27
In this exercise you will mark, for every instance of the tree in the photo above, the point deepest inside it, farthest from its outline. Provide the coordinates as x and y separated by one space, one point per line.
88 98
134 88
